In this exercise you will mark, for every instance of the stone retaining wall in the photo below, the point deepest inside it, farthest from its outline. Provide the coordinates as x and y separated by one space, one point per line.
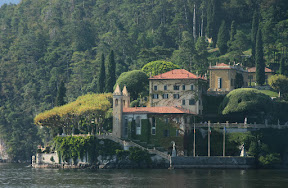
212 162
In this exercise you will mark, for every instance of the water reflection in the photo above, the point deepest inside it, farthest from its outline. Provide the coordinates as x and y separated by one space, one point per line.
19 175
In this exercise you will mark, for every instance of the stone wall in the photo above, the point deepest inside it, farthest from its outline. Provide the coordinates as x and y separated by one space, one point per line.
212 162
47 158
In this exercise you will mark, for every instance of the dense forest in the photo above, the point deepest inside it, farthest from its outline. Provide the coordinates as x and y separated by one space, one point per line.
45 43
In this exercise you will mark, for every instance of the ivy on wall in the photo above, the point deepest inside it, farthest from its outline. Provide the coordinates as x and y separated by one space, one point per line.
75 147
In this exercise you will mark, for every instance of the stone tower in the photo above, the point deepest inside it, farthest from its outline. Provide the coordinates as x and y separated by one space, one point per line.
126 97
117 112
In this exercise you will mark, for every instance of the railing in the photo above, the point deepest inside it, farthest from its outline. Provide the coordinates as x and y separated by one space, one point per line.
240 125
133 144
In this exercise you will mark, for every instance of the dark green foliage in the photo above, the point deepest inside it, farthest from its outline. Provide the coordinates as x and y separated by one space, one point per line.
75 147
239 82
255 25
43 43
61 94
139 156
232 31
247 103
259 59
282 67
111 75
102 76
158 67
222 38
136 82
240 43
211 104
213 15
122 154
186 55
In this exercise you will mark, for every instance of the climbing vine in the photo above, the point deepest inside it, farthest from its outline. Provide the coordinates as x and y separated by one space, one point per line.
76 147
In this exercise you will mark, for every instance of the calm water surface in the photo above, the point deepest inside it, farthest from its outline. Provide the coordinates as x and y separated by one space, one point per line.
20 175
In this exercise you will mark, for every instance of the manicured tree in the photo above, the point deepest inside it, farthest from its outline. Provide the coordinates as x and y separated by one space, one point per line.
255 25
111 76
246 102
136 82
158 67
102 76
222 38
61 94
259 59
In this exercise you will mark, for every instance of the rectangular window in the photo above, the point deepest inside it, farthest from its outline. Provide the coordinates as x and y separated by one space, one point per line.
166 133
155 88
192 87
176 87
138 125
183 102
192 102
153 126
183 87
165 87
155 96
165 96
219 83
177 120
232 82
166 120
176 96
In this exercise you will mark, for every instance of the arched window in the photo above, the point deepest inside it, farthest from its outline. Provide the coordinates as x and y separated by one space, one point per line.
116 102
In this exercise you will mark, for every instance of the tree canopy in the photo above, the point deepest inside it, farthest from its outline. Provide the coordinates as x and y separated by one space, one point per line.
246 102
158 67
136 82
279 83
89 107
43 43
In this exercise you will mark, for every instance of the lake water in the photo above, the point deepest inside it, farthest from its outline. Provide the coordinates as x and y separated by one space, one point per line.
19 175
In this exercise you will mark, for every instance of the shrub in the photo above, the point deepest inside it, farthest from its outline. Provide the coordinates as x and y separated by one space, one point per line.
138 155
270 159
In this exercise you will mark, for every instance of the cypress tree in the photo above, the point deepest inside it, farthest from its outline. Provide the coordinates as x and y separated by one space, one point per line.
255 25
111 77
222 38
282 66
102 76
61 94
232 31
213 15
259 59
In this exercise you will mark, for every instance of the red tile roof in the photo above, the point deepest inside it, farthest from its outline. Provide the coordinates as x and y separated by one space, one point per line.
222 65
157 110
176 74
253 69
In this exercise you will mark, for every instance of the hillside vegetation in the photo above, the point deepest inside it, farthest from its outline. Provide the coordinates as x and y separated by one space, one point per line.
46 42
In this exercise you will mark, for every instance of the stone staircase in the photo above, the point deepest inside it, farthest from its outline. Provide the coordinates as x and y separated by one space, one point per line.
133 144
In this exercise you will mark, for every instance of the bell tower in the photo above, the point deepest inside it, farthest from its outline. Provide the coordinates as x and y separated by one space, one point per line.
117 112
126 97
